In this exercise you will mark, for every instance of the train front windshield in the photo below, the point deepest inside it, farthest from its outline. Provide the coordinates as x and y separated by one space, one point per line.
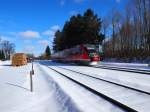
91 51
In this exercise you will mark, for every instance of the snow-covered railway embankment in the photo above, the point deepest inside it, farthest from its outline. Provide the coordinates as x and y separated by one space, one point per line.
111 82
127 97
60 95
82 97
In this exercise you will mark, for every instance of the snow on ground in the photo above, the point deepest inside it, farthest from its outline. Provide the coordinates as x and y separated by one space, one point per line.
127 65
82 98
133 99
3 62
126 60
124 64
53 92
135 80
15 92
0 64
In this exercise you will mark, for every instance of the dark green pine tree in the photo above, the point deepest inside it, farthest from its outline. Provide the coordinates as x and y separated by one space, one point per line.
58 43
47 52
2 55
80 29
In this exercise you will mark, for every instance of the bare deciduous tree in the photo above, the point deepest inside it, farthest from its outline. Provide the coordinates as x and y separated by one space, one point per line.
130 31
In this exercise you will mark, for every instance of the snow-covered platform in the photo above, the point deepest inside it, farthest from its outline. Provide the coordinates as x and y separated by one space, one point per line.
15 95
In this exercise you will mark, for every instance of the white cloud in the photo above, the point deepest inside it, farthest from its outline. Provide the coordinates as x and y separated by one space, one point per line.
43 42
29 49
51 31
29 34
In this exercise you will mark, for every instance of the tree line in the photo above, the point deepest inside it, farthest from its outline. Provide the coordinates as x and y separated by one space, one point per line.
46 55
6 49
123 34
130 37
79 29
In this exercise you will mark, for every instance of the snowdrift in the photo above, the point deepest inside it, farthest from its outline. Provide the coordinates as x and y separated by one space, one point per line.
60 95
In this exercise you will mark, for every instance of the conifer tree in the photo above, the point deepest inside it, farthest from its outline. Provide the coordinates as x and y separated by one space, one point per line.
0 55
47 52
80 29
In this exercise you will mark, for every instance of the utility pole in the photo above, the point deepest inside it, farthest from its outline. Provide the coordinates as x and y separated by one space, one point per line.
31 80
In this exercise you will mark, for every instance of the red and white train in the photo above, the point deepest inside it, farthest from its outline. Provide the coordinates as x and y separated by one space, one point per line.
83 54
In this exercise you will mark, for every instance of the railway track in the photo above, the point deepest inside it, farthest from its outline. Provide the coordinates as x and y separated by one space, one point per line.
128 87
141 88
125 69
116 68
120 104
115 102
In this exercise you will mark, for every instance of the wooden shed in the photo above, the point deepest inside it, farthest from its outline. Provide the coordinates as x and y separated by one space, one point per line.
19 59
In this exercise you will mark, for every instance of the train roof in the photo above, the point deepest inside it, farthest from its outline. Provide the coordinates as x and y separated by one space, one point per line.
88 46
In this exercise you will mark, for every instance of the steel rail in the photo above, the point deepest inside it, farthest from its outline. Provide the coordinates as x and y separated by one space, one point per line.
131 88
115 102
146 72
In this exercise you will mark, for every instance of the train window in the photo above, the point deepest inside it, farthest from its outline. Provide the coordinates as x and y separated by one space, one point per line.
72 51
76 50
91 50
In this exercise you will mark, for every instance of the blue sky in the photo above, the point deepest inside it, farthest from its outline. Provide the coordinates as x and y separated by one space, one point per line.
31 24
